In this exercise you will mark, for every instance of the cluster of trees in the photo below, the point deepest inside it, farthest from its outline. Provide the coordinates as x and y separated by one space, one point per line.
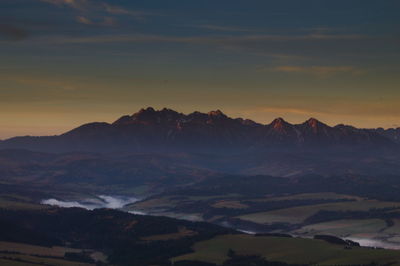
337 240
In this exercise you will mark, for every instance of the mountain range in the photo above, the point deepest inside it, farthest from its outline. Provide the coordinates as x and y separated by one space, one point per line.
166 130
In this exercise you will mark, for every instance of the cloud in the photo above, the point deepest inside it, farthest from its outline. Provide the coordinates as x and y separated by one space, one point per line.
290 46
84 20
98 7
77 4
116 10
322 71
292 110
333 107
13 33
106 21
224 28
97 13
241 40
300 46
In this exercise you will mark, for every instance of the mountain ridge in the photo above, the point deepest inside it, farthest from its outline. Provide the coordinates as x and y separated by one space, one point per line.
169 130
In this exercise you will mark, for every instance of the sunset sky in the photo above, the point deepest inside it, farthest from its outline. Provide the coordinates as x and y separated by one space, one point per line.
67 62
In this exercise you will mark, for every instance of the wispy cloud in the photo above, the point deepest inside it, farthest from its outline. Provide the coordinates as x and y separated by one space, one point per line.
77 4
323 43
289 110
117 10
84 20
224 28
90 7
106 21
322 71
227 40
289 46
343 108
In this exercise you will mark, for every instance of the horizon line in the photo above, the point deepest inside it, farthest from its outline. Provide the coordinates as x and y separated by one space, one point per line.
207 113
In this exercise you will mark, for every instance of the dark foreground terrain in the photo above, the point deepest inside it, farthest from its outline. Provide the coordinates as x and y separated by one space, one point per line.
74 236
121 238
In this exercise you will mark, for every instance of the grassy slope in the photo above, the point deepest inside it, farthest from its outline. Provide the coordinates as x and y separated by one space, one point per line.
290 250
303 196
34 249
8 259
11 251
345 227
299 214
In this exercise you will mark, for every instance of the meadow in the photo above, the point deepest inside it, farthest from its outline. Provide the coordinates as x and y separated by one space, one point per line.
289 250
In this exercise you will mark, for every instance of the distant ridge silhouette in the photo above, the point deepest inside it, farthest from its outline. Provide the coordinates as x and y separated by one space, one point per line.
166 130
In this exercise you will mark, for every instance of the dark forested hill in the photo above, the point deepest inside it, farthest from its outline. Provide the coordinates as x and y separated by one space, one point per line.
125 238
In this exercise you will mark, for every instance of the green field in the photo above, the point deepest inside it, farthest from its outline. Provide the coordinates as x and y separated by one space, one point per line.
34 249
8 259
297 215
11 252
289 250
344 228
367 231
18 202
395 229
309 196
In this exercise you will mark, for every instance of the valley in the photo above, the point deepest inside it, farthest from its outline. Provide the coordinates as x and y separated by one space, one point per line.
266 203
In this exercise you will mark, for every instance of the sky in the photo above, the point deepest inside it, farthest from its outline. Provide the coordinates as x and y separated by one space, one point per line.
68 62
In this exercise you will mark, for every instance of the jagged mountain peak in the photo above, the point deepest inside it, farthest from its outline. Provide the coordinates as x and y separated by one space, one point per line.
150 116
146 110
279 123
152 111
216 113
279 120
314 123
